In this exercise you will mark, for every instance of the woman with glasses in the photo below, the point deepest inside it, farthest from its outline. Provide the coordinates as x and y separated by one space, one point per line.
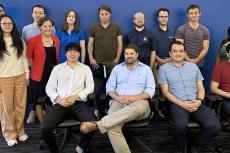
43 54
70 32
14 75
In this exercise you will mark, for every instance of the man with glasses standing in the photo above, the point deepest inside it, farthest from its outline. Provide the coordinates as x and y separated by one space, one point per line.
143 38
164 36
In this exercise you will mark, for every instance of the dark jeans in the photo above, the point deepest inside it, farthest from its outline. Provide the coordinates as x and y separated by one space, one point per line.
209 125
57 114
225 107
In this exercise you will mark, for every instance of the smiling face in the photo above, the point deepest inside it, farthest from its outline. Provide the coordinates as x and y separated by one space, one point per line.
46 28
130 56
71 18
139 20
6 25
38 13
193 15
177 53
72 55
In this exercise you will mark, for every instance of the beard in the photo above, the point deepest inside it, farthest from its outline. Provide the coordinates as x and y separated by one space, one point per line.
139 25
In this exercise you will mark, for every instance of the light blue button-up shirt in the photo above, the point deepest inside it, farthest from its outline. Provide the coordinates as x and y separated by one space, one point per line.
131 82
182 81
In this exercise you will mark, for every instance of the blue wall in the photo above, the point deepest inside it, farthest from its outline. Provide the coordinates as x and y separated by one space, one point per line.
214 16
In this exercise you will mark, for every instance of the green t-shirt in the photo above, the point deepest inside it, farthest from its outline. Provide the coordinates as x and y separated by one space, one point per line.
105 41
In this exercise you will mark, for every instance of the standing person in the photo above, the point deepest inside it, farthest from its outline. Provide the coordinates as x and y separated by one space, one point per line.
143 38
28 31
13 80
222 54
195 37
164 37
105 43
130 85
71 32
181 83
43 54
68 97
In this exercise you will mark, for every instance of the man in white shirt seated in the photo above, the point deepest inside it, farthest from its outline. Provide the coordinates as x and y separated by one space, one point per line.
68 87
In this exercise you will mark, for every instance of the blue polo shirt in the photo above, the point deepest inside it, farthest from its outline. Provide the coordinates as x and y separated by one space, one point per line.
145 42
182 81
66 38
163 41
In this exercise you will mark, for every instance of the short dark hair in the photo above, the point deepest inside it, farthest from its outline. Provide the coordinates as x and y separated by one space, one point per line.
105 7
193 6
44 19
162 9
2 6
176 42
132 46
39 6
72 46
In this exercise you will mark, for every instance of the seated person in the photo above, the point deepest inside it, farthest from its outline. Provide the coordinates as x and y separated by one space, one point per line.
220 83
130 85
181 83
68 87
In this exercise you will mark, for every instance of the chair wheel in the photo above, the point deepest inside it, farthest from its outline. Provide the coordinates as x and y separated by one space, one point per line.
219 149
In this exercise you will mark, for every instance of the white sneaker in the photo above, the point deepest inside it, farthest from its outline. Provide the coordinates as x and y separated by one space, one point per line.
24 137
11 143
31 118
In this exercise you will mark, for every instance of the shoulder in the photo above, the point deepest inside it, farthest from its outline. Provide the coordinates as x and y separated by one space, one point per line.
27 27
33 39
204 28
95 25
115 24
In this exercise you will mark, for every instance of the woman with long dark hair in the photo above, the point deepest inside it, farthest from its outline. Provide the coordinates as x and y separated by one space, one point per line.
14 74
70 32
43 54
222 56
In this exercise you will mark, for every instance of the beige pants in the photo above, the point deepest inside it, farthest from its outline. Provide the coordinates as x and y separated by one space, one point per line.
117 116
13 106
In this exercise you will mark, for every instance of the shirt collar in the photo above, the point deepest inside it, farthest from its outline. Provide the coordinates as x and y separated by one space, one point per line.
163 30
78 64
177 66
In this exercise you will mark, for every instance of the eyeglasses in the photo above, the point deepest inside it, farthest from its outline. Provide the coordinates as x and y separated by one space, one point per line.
7 24
38 13
163 16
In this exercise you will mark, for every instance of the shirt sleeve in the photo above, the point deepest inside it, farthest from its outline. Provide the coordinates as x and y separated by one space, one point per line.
51 87
206 34
25 61
153 48
82 34
112 81
150 83
91 32
161 77
24 34
119 32
89 85
30 48
199 74
180 33
216 74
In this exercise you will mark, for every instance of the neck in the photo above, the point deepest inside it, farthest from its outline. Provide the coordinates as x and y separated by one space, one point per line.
178 64
72 64
45 36
131 66
35 24
194 24
70 27
7 34
163 27
140 29
105 24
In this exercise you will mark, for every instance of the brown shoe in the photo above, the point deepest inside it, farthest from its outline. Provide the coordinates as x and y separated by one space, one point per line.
87 127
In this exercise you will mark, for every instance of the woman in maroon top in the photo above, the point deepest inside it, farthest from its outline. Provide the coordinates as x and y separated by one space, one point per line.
43 54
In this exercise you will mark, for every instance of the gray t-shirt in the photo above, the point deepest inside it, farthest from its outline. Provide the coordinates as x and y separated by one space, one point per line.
193 39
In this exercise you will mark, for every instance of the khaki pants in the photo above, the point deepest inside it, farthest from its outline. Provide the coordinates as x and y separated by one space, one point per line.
13 106
117 116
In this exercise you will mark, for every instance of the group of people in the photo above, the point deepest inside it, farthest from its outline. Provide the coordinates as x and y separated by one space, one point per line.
59 78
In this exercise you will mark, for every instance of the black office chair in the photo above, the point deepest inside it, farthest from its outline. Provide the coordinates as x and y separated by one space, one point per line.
128 127
66 127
